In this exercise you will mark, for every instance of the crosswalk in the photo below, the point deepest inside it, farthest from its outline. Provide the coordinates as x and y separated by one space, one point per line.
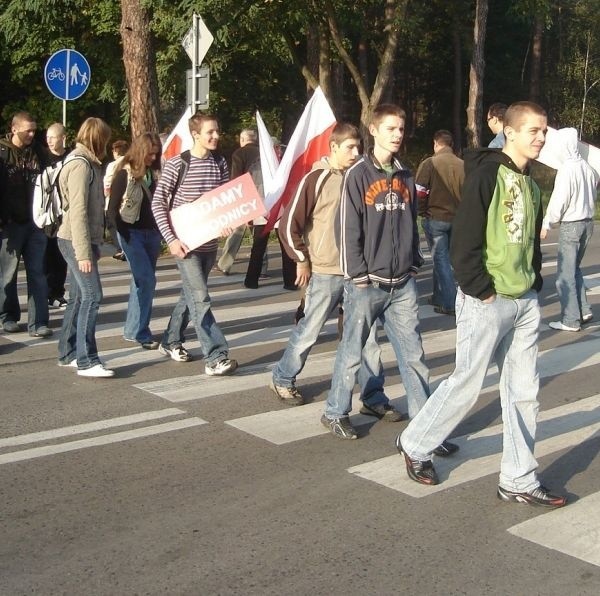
572 531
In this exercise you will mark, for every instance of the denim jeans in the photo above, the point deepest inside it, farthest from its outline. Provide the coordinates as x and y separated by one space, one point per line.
438 234
323 295
505 330
397 310
78 331
573 239
194 302
29 242
231 248
141 249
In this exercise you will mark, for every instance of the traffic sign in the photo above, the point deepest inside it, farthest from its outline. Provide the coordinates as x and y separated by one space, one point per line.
67 74
205 39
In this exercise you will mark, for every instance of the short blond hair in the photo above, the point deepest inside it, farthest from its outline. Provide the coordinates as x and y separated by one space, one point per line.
94 134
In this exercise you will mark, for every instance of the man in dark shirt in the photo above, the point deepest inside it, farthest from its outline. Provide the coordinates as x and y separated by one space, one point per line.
22 160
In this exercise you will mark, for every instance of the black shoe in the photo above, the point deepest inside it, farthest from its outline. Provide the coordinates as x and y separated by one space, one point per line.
339 427
444 311
250 286
119 256
291 288
422 472
445 449
538 497
385 412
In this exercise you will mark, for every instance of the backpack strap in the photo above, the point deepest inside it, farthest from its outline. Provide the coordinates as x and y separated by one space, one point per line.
186 157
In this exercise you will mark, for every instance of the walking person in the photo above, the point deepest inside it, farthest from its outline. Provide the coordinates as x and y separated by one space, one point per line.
206 170
21 161
307 231
130 211
439 183
79 238
572 206
380 256
497 262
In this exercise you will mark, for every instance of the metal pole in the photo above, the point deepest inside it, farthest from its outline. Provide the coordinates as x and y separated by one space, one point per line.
195 27
64 112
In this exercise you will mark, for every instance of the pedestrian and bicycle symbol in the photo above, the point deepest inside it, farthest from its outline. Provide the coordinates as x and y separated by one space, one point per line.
67 74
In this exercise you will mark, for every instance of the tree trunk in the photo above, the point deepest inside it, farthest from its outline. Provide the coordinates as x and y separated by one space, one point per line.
325 65
474 109
457 91
140 67
536 58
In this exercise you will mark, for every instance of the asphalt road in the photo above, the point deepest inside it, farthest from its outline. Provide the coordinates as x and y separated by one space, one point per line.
165 481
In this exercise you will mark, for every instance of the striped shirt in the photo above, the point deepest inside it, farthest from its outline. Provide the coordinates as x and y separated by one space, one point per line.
202 176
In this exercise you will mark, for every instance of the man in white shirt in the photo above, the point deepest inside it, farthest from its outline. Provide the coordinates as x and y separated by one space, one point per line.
572 207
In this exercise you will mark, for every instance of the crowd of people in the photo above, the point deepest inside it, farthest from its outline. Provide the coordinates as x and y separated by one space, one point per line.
350 238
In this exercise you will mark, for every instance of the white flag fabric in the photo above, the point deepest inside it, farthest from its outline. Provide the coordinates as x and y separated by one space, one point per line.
179 138
308 144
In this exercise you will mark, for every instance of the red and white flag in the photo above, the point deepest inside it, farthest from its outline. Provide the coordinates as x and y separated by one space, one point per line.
308 144
179 138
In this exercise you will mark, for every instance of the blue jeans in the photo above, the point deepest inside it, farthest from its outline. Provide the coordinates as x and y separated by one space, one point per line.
78 331
438 234
505 330
194 302
29 242
231 247
573 239
141 249
397 310
323 295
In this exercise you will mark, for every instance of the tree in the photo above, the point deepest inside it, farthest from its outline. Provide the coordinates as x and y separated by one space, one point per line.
140 67
474 109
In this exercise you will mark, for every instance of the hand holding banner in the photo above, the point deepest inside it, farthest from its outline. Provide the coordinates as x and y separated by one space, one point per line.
230 205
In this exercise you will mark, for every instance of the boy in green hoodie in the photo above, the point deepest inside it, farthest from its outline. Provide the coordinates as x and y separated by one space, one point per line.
496 257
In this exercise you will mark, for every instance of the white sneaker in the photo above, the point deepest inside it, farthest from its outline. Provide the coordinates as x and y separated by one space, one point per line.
560 327
223 367
96 371
587 318
179 353
72 364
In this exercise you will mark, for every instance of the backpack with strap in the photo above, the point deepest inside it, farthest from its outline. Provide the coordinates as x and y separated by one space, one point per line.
186 157
47 198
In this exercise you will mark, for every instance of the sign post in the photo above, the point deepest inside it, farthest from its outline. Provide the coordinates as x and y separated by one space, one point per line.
196 43
67 75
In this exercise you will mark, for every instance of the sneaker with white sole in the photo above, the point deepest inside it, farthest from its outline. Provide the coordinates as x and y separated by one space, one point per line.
223 367
72 364
287 395
559 326
538 497
177 353
97 371
587 318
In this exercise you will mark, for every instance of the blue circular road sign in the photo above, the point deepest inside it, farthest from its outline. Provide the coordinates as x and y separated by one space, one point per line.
67 74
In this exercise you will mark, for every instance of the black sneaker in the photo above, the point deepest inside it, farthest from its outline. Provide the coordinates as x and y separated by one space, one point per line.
339 427
446 449
287 395
422 472
385 412
538 497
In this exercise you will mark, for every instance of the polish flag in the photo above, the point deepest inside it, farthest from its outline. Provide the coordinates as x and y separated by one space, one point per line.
308 144
179 138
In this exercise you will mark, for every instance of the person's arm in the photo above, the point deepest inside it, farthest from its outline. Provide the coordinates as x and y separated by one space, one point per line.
469 231
292 226
117 190
537 251
351 242
77 183
423 186
418 259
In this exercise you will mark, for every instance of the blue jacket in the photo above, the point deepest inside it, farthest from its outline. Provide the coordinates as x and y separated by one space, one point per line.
379 239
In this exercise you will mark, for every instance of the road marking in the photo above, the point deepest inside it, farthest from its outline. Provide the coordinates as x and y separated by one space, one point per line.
196 387
573 530
480 453
78 429
118 437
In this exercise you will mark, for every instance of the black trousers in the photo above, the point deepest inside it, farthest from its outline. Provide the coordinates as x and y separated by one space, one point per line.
56 270
257 252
